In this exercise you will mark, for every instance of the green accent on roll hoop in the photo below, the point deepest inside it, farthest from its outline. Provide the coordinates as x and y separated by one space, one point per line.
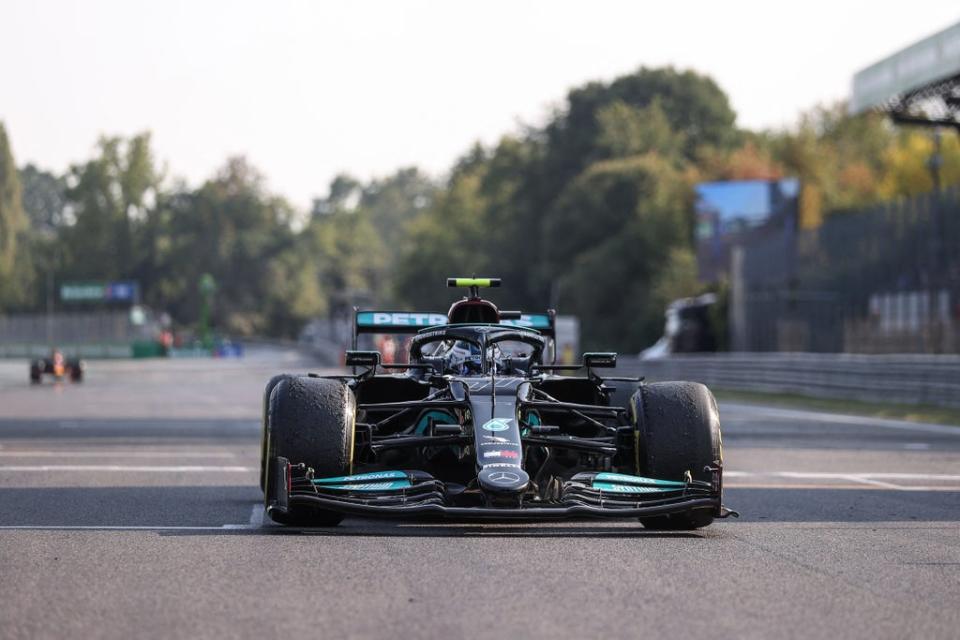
472 282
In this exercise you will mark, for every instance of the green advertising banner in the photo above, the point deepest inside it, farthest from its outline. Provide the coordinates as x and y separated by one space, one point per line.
932 59
123 291
82 291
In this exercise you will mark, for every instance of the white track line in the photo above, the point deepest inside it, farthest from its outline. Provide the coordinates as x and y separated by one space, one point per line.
256 521
826 475
840 418
55 527
26 453
125 468
875 483
865 476
857 486
256 515
842 480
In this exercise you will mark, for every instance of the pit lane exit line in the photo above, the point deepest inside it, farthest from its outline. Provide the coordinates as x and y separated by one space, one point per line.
828 475
49 453
76 468
97 527
763 480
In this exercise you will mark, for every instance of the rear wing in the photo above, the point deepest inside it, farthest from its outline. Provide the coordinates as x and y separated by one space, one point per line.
398 322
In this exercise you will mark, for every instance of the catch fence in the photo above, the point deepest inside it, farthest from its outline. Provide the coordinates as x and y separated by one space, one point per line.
885 279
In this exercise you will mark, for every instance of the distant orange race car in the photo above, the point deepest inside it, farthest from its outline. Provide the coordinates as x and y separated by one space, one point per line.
57 366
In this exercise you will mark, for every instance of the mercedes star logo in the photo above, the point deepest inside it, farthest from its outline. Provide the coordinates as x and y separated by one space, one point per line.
504 477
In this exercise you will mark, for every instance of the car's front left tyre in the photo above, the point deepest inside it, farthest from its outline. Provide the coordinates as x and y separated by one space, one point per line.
679 432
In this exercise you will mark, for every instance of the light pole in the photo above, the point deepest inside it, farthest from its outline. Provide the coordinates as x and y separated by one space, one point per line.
207 286
934 164
51 267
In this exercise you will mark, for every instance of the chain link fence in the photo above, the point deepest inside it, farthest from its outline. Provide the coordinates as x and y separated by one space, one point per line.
885 279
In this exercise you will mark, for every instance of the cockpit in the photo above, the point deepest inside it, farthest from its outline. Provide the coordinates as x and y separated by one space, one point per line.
480 351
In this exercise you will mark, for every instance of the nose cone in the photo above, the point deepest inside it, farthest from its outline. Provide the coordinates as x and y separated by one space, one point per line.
507 479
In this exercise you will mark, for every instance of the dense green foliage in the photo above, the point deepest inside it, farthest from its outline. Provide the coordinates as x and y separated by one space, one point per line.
14 251
590 213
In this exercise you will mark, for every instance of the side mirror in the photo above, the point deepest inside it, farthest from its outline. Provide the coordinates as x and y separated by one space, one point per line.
362 358
510 315
600 360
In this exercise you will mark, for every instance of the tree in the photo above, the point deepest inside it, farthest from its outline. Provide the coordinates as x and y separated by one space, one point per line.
390 203
839 158
442 241
695 107
344 189
629 131
907 164
44 199
609 239
13 224
234 230
110 197
752 161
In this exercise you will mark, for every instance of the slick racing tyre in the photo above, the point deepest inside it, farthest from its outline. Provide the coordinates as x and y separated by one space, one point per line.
679 430
274 381
36 372
76 370
311 421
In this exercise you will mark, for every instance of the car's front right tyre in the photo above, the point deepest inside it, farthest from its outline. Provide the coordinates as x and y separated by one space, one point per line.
310 421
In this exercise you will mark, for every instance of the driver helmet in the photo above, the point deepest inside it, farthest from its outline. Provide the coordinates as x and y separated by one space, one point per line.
464 358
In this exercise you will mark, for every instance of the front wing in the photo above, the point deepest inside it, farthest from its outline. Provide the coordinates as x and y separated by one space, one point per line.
415 494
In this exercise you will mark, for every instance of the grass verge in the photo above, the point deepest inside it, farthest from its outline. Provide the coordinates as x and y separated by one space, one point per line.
912 412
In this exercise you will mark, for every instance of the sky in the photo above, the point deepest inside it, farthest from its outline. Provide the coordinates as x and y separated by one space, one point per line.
308 89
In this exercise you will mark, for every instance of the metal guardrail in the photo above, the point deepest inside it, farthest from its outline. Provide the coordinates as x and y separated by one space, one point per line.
906 378
95 350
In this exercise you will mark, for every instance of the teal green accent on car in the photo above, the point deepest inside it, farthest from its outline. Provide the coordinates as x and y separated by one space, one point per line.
629 488
363 477
530 321
443 417
402 319
531 418
623 478
497 424
372 486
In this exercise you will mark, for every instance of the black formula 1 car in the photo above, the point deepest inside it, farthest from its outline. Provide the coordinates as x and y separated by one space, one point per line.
476 425
58 366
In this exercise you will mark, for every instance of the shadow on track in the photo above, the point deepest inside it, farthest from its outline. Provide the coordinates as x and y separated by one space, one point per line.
213 507
843 505
423 530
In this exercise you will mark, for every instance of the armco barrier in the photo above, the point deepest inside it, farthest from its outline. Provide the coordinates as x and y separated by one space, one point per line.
907 378
93 351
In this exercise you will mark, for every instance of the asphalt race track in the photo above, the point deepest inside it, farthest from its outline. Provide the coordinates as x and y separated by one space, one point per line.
129 508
